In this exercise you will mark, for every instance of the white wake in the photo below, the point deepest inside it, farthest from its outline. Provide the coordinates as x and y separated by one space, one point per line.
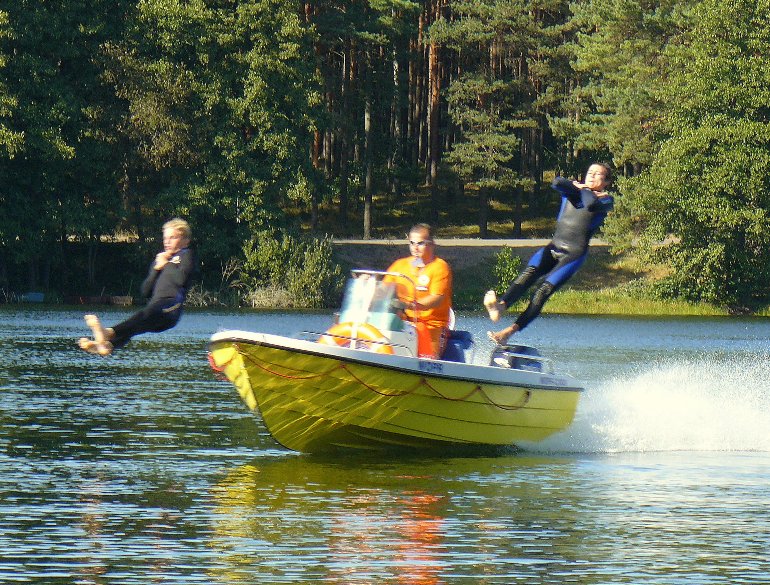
699 405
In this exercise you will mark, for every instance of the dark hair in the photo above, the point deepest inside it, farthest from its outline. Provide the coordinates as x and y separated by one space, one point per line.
422 227
607 171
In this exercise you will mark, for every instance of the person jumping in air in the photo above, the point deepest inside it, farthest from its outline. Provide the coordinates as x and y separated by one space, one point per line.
166 285
583 209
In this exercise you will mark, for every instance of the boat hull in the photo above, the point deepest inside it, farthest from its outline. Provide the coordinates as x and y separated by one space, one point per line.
314 398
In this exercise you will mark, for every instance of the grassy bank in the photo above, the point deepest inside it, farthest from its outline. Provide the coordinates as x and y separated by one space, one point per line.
606 284
582 298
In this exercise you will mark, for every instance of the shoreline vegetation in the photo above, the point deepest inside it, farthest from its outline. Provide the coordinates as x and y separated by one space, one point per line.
273 127
608 284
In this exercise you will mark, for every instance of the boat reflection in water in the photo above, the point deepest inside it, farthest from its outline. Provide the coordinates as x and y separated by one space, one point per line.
365 519
339 530
361 384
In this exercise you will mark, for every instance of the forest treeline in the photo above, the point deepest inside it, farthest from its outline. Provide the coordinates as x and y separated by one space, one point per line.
255 116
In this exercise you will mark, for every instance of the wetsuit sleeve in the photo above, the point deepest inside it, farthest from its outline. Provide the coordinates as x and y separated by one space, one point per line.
173 277
149 282
568 190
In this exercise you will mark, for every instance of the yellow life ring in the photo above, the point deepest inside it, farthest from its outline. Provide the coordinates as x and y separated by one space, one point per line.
343 334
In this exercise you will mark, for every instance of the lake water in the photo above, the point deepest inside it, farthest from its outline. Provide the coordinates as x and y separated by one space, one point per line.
143 468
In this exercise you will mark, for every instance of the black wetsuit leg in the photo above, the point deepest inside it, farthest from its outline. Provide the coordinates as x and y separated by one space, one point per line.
561 271
539 296
540 264
155 317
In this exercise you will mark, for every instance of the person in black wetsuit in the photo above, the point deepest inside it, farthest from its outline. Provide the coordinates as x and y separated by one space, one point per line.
583 209
166 284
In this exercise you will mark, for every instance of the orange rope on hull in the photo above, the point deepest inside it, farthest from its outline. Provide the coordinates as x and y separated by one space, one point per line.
339 365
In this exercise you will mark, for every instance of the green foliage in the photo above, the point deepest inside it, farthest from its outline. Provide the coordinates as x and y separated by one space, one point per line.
703 206
485 154
58 176
502 47
618 62
304 268
220 101
507 267
10 140
116 115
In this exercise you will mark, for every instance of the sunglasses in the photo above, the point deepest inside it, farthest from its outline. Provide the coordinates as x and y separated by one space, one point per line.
420 243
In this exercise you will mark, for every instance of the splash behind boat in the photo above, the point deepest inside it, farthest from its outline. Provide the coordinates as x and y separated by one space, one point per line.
361 385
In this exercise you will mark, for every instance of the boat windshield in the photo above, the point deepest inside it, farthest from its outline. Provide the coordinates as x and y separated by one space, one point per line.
369 299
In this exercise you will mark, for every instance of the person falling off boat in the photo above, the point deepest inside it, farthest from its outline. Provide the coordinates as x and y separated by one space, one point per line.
166 286
584 206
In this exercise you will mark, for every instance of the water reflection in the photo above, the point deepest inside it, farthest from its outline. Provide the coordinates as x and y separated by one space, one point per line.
363 522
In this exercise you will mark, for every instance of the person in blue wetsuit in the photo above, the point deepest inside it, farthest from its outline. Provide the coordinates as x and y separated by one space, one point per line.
166 284
583 209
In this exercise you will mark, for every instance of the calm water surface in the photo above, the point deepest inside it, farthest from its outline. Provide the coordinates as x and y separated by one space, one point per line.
143 468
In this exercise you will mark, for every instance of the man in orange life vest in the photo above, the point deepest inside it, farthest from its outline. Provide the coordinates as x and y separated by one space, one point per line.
428 297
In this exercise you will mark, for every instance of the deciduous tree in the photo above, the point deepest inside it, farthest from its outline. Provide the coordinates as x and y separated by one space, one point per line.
707 192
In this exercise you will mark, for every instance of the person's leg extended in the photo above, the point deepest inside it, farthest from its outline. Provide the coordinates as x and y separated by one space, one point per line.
539 264
100 344
563 271
153 318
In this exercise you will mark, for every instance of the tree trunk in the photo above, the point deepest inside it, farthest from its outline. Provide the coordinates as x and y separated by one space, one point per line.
396 159
91 264
518 210
4 283
31 274
344 138
368 185
483 213
434 113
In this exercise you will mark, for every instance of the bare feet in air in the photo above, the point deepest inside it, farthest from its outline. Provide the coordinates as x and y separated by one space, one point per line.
501 337
90 346
493 306
99 345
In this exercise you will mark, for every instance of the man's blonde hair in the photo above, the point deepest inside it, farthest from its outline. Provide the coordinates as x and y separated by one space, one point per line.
179 225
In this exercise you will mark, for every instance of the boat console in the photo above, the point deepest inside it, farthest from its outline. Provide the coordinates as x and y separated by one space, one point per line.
371 317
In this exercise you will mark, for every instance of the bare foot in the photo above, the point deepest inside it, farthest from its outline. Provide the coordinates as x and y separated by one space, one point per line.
104 348
90 346
497 338
501 337
86 344
493 306
96 327
100 344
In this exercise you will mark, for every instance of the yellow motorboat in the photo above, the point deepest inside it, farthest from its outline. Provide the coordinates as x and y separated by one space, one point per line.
361 384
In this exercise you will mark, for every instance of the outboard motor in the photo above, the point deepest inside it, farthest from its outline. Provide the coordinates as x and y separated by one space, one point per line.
517 357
